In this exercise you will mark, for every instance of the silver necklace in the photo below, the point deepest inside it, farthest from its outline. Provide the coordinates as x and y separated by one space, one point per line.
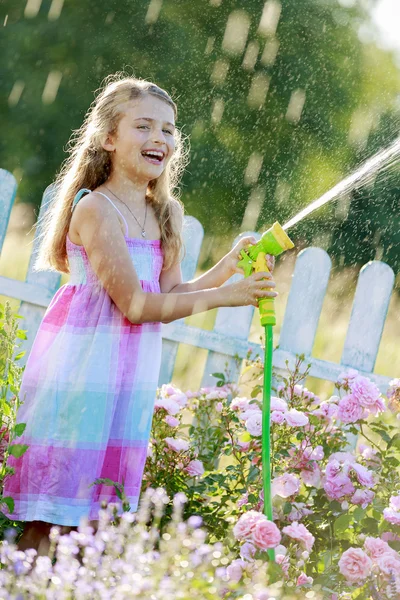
145 214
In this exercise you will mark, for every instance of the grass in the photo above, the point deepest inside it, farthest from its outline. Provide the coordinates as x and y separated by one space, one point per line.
191 361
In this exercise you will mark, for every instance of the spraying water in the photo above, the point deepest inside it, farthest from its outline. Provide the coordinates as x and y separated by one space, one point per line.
382 159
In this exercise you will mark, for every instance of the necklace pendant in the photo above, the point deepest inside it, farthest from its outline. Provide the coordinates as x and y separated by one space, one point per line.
143 233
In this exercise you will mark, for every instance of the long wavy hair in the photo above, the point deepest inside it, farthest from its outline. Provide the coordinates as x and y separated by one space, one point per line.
89 165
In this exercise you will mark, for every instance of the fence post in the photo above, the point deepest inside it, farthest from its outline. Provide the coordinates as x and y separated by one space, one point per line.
49 281
8 187
230 321
193 233
307 293
368 315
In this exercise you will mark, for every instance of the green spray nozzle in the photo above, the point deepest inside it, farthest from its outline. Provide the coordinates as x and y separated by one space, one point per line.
274 241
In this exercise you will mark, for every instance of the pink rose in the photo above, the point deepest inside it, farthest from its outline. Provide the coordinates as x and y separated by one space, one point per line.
244 527
343 457
347 377
389 563
284 562
299 510
239 403
375 547
177 444
216 394
295 418
235 570
254 424
299 532
167 404
326 410
339 486
304 580
391 516
219 406
266 534
311 475
278 404
244 446
355 565
286 485
168 389
333 468
394 388
195 468
394 502
365 477
349 410
363 497
277 417
364 391
247 551
316 453
243 500
180 398
171 421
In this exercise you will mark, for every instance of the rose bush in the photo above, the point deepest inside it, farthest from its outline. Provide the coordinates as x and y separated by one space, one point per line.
334 504
336 499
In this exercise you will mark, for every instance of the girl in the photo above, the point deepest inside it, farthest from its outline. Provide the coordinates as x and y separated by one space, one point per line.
91 377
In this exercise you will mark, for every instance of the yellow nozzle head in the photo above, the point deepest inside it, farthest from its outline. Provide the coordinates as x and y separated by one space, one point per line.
274 241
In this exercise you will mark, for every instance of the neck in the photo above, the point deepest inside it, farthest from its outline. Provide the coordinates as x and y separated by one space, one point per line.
128 191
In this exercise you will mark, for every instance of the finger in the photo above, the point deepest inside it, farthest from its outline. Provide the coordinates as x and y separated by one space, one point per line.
246 241
269 294
263 275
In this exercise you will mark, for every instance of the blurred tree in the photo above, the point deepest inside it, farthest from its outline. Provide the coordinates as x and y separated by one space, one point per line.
279 100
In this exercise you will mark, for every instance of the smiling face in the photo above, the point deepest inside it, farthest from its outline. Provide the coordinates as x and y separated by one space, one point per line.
146 124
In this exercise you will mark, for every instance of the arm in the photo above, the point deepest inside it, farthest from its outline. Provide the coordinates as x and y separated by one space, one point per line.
102 237
171 280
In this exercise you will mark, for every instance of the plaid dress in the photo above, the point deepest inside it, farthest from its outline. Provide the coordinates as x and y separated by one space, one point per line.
88 388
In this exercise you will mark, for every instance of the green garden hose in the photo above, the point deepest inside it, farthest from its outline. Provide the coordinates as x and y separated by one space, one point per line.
274 242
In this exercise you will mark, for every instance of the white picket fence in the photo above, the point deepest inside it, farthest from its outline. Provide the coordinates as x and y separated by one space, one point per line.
231 331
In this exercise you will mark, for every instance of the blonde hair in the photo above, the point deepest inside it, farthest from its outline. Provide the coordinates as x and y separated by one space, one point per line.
89 165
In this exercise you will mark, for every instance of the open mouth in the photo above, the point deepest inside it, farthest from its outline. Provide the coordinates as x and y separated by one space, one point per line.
153 157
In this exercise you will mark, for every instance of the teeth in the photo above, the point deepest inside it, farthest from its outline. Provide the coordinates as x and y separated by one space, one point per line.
154 154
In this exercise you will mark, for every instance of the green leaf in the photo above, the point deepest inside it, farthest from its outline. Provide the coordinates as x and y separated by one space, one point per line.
218 375
342 523
359 513
395 441
18 450
20 355
9 502
287 508
6 409
19 429
370 525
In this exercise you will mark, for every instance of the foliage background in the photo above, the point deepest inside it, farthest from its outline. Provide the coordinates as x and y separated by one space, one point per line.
214 57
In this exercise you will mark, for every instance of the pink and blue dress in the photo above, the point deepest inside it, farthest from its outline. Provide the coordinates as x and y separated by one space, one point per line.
88 388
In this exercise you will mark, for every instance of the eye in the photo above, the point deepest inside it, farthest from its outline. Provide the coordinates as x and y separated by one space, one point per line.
142 126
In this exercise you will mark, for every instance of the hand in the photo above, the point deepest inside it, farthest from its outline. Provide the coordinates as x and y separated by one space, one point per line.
249 290
232 258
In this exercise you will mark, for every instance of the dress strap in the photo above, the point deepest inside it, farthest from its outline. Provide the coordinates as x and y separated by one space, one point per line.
79 196
126 224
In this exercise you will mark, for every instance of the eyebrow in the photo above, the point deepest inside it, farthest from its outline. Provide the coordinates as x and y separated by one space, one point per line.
149 119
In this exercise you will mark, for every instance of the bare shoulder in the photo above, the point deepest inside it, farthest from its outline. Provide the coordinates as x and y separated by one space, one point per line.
177 212
92 211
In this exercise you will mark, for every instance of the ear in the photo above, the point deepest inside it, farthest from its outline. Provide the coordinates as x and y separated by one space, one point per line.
108 143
